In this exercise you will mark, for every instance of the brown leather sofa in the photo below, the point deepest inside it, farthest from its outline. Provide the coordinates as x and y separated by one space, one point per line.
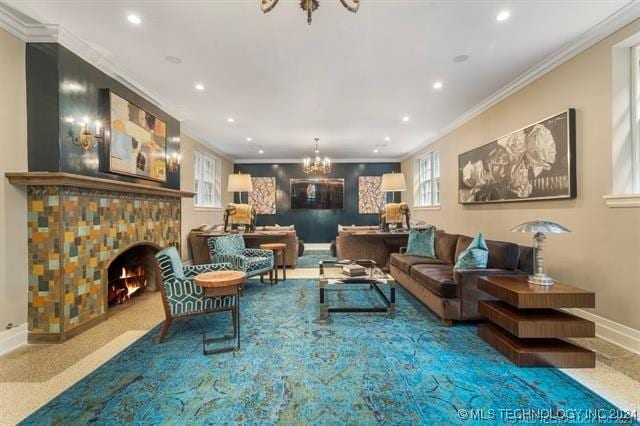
368 242
453 294
264 234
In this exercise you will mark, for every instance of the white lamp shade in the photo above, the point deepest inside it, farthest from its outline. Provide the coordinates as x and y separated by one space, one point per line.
392 182
239 183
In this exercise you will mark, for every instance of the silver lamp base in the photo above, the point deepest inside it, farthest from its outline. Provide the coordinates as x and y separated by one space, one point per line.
540 279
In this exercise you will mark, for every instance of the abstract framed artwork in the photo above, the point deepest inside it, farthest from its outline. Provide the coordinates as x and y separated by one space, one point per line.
370 195
263 196
537 162
137 142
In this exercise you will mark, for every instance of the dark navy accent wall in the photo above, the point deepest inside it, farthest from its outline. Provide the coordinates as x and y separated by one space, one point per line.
60 84
317 226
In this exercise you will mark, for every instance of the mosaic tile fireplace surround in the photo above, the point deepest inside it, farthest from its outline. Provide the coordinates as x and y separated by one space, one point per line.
74 235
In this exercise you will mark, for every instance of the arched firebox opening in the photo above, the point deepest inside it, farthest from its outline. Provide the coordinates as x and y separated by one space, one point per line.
131 272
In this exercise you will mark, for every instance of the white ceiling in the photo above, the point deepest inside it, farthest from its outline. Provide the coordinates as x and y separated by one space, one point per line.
347 79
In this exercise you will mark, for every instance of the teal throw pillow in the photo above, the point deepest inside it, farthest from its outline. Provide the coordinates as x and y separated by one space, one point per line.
421 243
476 256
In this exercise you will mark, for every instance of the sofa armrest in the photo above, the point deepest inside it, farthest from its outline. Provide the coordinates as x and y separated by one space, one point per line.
468 291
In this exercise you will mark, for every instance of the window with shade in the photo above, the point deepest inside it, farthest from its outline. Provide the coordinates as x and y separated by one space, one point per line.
207 181
427 180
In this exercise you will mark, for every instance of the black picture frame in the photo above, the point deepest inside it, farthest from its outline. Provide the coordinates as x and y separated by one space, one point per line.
536 162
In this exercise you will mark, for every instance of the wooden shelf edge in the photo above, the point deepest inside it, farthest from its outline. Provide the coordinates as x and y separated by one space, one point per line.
537 352
80 181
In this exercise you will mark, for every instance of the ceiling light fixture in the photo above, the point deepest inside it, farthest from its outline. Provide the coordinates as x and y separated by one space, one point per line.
230 120
503 16
260 151
460 58
199 86
134 19
173 59
310 6
375 151
406 118
317 166
387 138
437 85
249 139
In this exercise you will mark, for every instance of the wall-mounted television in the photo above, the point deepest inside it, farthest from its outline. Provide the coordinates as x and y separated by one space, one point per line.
317 193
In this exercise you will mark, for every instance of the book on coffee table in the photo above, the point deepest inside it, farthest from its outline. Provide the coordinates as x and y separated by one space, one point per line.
354 270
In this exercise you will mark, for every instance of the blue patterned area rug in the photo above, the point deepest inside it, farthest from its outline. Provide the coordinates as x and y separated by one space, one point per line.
359 369
312 257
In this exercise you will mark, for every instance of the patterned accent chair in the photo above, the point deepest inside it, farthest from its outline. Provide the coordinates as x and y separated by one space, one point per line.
231 249
181 296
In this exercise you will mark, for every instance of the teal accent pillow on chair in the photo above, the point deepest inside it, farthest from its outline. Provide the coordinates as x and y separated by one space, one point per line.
421 243
476 256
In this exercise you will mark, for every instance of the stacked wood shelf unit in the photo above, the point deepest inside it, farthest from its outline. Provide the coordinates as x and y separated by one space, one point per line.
526 326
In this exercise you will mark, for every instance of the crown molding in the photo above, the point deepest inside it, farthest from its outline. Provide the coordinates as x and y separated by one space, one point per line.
52 33
25 31
299 160
606 27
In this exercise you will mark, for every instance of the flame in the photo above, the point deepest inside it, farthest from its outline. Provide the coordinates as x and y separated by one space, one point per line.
132 285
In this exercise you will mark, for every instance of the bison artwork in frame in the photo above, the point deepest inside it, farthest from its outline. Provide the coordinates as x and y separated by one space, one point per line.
537 162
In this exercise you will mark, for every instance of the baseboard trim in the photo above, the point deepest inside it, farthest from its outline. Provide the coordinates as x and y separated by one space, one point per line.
13 338
611 331
317 246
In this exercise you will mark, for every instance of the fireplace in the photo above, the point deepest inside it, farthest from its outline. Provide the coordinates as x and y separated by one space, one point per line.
82 232
132 272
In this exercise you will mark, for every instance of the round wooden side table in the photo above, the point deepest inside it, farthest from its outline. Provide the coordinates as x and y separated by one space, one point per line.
279 252
221 284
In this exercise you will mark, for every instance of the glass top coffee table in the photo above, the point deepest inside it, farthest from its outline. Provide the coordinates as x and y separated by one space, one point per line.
375 279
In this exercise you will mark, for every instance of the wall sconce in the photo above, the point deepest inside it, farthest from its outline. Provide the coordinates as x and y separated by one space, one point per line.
173 162
85 139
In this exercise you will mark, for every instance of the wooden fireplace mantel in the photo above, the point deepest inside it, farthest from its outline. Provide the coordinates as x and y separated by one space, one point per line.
80 181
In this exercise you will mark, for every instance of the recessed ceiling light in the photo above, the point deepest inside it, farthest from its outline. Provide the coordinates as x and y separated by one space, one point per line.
460 58
199 86
375 151
387 138
406 118
134 19
173 59
260 151
249 139
503 16
230 120
437 85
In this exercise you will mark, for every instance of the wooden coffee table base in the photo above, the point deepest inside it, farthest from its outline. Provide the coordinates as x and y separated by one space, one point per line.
527 327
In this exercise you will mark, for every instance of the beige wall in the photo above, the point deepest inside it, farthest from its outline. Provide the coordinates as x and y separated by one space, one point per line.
191 216
603 251
13 200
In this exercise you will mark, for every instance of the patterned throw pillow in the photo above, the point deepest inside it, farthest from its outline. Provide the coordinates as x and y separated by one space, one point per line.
476 256
421 243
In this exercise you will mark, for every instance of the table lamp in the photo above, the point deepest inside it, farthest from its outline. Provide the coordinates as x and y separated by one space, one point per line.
393 182
240 183
539 227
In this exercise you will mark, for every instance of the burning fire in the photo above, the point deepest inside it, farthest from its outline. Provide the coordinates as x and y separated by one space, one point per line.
131 281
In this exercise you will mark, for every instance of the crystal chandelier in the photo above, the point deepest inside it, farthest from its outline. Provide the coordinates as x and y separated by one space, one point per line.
309 6
317 166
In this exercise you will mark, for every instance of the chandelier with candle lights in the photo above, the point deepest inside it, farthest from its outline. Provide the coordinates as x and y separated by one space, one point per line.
309 6
317 165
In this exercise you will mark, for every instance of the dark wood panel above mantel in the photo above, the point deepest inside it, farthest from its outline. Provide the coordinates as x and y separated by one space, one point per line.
80 181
